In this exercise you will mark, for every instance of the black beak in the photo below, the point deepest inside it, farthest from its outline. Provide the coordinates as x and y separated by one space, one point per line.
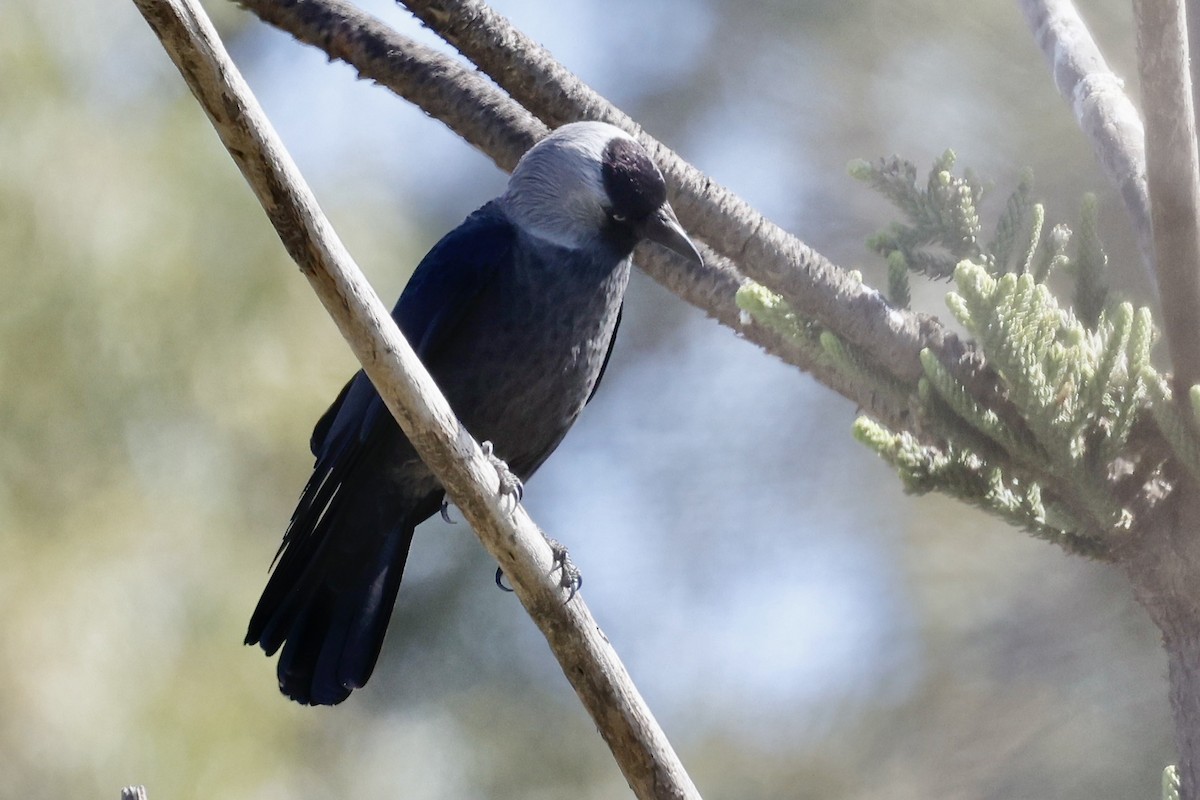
663 227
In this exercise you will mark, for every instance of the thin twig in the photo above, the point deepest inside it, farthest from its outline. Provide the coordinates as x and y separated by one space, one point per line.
624 720
1101 107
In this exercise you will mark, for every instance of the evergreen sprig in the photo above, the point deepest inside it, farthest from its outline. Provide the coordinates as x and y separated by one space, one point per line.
1012 223
1070 382
965 476
770 310
943 224
1091 291
1177 426
942 228
1073 387
1170 783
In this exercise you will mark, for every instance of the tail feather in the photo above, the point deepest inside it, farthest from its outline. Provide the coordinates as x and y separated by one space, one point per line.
333 644
330 595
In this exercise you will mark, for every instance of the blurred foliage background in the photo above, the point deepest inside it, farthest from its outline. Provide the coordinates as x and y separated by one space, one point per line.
801 628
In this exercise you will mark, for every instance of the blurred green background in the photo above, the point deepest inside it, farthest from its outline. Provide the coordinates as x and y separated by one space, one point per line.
801 628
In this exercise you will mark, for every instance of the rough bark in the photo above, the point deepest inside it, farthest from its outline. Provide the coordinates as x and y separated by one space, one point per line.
1166 569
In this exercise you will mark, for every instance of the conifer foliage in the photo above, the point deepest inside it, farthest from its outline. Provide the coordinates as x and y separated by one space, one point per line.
1047 447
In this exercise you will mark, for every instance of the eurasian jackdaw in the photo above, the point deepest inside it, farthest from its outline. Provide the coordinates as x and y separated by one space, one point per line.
514 314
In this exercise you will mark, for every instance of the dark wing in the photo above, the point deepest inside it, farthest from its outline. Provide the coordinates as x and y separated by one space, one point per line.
350 443
438 295
608 355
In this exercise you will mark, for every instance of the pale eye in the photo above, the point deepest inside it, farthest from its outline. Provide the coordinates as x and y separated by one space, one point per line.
619 217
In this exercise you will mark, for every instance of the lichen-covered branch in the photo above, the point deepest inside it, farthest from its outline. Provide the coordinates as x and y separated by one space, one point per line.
442 87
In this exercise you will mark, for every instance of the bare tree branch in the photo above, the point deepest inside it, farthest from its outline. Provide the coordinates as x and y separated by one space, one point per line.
1165 579
890 338
445 89
1174 174
1103 110
764 252
591 665
314 20
1193 25
501 129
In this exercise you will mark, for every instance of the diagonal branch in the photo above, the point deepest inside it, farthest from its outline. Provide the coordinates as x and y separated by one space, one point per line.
443 88
890 339
491 121
1192 8
1098 100
341 31
599 678
763 251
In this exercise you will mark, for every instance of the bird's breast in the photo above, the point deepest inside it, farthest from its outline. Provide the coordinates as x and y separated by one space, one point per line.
525 364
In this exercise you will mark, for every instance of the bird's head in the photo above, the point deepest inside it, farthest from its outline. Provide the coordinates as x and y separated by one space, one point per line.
590 180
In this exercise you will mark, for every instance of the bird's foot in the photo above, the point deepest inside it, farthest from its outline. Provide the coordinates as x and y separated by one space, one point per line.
500 580
569 578
445 512
511 488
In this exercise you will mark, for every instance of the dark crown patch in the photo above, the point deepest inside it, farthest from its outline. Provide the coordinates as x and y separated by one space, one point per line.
634 185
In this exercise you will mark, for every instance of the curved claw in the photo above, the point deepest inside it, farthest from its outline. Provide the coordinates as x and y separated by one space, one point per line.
445 512
500 581
512 491
572 585
570 578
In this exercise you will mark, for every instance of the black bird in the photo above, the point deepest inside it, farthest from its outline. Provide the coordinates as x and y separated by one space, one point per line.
513 313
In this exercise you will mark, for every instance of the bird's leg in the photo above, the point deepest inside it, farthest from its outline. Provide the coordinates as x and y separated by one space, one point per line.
511 488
